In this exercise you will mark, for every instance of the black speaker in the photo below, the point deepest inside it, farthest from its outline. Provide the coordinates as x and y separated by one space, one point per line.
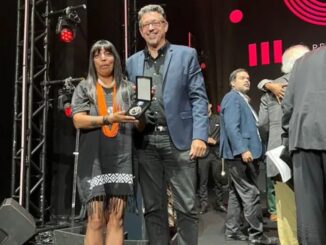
16 224
69 236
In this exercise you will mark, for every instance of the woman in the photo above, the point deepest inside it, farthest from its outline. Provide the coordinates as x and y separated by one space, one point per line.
105 169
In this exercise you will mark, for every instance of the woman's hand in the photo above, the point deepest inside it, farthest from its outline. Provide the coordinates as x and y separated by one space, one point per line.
118 117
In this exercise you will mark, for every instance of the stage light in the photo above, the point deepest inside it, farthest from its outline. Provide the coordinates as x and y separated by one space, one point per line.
64 102
66 26
68 110
65 29
64 99
67 35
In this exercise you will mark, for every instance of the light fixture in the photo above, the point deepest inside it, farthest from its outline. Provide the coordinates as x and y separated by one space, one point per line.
64 103
66 26
65 96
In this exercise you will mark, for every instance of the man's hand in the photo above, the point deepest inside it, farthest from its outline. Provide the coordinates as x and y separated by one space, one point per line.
246 157
211 141
278 89
198 149
140 124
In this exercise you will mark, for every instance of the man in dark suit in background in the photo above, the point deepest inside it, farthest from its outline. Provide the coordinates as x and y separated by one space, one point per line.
174 132
212 161
304 119
241 147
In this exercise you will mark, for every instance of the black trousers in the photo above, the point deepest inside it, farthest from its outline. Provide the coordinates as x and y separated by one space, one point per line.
161 163
309 172
213 163
244 196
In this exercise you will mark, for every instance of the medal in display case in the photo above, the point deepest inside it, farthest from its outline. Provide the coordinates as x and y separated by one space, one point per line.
143 97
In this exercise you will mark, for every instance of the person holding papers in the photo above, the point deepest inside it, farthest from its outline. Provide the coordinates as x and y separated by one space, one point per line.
304 114
270 126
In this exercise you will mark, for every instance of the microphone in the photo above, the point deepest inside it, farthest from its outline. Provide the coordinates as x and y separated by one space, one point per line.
222 172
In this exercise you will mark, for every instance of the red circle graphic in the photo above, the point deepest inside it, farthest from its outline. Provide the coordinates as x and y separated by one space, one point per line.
311 11
236 16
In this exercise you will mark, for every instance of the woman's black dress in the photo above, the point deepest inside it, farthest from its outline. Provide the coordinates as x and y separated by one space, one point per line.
104 164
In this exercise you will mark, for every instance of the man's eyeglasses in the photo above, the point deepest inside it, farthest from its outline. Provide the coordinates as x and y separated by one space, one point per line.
154 24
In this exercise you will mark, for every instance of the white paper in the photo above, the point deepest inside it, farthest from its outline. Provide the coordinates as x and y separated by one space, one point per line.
282 167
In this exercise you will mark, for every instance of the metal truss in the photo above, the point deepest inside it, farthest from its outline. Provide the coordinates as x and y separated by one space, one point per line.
130 28
31 104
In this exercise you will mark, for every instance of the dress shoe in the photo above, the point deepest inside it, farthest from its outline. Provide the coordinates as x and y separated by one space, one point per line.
203 208
238 236
263 239
220 207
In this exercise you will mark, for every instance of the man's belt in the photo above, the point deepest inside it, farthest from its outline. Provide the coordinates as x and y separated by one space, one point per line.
160 128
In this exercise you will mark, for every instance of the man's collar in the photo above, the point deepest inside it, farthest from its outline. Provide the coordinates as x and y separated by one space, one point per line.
162 50
245 96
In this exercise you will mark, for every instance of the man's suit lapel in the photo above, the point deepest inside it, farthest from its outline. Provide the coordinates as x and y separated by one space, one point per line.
246 103
167 61
140 65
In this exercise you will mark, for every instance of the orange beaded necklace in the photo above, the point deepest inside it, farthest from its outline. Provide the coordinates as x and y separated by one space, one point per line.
102 108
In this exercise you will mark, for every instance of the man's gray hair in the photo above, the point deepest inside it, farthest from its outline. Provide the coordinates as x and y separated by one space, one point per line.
290 55
233 74
151 8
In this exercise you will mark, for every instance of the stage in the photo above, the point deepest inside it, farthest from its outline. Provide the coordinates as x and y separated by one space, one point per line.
211 229
211 232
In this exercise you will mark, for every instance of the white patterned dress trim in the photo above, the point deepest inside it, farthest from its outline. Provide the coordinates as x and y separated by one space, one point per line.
110 178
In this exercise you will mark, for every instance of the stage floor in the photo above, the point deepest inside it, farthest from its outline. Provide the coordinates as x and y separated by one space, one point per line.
211 229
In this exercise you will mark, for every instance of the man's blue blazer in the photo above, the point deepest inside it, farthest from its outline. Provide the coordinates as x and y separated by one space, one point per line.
238 128
184 95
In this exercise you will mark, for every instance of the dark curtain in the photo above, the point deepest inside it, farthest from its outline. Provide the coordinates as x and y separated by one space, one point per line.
7 68
226 44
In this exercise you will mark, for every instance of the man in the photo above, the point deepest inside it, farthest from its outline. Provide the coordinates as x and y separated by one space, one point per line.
212 160
304 114
270 125
241 147
174 132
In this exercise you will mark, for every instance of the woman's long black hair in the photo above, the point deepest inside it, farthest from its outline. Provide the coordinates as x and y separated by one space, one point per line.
124 88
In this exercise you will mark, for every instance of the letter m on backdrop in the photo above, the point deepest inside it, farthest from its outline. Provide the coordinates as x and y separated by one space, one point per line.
263 51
